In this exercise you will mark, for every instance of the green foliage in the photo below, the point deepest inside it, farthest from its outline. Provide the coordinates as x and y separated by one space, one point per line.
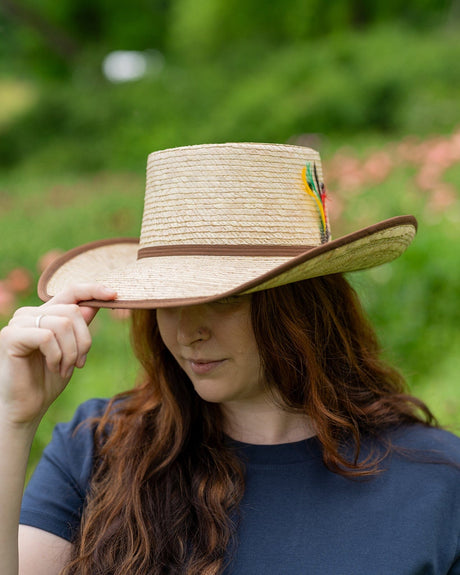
390 80
215 26
414 305
52 36
418 294
41 213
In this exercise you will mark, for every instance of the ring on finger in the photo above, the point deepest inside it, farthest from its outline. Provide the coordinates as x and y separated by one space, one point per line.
38 320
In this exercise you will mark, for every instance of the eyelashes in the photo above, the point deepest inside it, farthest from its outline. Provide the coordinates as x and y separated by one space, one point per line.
233 299
229 300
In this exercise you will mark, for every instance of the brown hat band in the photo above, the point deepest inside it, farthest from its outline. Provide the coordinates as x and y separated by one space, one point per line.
222 250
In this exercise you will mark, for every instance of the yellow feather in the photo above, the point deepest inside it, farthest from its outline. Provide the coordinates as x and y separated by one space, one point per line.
313 195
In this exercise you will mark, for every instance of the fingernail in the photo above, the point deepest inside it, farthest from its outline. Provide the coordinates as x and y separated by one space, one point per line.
82 361
109 291
69 372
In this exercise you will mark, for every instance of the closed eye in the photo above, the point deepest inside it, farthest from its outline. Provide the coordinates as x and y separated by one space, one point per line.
229 299
233 299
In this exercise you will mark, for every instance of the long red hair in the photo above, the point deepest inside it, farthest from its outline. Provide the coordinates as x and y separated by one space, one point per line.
166 488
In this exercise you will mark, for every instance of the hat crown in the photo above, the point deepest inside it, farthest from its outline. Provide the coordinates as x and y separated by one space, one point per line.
231 194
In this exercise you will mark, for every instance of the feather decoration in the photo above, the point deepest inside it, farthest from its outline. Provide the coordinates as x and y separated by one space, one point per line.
322 190
317 191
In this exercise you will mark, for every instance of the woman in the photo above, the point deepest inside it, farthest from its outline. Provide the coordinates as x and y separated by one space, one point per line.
266 435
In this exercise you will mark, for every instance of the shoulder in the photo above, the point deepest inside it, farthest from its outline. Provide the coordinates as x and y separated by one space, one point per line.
426 457
87 410
73 440
79 430
430 440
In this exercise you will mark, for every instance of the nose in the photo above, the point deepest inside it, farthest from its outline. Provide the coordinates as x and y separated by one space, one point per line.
192 325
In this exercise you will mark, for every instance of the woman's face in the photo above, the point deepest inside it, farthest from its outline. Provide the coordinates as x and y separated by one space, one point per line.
215 346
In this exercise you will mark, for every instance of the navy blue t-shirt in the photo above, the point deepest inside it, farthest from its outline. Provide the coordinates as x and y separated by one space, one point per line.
296 516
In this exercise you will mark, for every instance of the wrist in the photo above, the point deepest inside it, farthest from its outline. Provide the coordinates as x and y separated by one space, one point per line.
10 426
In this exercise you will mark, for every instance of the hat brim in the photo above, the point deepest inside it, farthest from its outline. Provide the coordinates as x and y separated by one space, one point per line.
173 280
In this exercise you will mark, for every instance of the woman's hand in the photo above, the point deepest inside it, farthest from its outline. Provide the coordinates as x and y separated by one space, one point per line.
40 348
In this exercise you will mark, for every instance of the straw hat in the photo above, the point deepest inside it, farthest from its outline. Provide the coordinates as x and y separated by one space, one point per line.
226 219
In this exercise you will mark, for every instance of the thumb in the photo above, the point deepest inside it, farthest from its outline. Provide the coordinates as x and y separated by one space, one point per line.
88 313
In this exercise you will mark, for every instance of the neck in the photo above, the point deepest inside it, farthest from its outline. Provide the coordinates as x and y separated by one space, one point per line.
265 422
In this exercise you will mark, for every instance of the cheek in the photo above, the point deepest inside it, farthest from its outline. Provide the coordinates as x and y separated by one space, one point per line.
247 348
167 326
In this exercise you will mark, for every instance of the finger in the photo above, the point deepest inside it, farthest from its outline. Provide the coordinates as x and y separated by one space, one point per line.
22 343
73 295
51 351
64 332
81 333
29 316
68 324
83 292
88 313
72 334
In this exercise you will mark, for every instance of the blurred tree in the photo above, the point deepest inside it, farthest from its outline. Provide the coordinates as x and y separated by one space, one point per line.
49 33
57 39
211 27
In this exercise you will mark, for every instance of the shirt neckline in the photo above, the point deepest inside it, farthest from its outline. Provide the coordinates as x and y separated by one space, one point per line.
276 454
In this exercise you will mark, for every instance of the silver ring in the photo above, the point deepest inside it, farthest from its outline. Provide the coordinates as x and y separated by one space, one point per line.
38 320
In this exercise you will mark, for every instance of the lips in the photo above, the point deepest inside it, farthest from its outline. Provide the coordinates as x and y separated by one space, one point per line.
201 366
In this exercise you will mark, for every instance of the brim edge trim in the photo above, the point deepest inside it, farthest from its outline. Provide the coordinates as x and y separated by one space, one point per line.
348 239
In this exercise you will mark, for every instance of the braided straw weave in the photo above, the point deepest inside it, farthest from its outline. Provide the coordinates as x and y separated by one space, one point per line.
230 194
224 219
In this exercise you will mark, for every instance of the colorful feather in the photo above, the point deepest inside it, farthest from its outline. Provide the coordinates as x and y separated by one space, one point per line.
317 191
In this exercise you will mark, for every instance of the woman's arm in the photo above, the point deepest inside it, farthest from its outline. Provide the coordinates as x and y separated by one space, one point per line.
41 553
37 359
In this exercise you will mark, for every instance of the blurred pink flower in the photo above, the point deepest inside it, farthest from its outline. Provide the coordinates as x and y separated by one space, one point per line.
335 207
377 167
345 171
408 150
429 176
431 157
19 280
47 259
442 197
7 300
455 146
439 152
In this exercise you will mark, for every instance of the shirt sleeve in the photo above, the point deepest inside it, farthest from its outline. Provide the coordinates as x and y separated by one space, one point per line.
55 495
455 569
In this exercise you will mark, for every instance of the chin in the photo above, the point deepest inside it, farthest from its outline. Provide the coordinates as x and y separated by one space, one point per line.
212 394
213 397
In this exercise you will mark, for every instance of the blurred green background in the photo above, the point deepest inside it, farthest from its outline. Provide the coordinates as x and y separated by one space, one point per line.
88 88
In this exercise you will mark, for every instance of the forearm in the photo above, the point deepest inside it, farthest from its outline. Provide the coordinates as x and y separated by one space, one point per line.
15 442
39 349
